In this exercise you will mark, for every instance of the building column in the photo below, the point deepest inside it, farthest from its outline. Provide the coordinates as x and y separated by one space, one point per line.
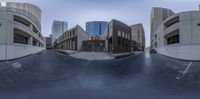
31 26
74 45
30 41
70 44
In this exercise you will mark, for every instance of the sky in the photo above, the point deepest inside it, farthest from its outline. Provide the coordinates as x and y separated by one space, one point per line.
128 11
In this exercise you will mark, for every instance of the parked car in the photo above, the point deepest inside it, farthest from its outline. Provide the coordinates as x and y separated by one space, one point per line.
153 51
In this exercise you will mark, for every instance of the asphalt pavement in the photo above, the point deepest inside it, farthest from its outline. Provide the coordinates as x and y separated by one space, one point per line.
53 75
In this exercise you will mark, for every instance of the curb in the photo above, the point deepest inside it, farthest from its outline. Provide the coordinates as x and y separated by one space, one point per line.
123 56
62 52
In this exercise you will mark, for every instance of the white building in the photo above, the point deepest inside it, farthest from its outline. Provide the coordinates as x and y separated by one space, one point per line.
178 36
20 30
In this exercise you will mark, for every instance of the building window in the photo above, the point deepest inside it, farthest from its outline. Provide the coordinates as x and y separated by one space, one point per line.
35 30
155 36
119 33
34 42
172 21
3 4
20 39
20 36
126 36
155 44
73 32
123 35
119 40
129 37
173 40
21 20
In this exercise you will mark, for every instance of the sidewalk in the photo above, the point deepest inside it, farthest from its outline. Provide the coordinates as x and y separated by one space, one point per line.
92 55
70 52
87 55
96 55
121 55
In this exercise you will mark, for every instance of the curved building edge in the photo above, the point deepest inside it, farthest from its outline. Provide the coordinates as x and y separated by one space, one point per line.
178 36
20 30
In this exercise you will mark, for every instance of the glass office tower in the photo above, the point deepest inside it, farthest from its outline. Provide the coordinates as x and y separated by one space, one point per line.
96 27
58 28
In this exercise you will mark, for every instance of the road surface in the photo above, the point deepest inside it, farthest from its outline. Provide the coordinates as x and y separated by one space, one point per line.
53 75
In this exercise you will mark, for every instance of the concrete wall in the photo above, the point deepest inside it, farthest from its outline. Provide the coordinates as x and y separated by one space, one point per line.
185 52
17 50
2 52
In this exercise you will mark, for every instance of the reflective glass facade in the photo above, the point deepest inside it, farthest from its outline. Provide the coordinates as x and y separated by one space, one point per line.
96 27
58 28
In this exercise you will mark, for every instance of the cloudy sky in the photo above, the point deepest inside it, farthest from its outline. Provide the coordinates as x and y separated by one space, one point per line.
127 11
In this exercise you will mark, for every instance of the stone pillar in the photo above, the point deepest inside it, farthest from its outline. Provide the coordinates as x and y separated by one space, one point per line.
70 48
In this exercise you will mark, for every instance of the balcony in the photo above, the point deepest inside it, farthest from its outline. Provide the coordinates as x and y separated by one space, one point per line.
172 28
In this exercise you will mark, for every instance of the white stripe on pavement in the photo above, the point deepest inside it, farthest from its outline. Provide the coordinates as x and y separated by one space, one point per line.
188 67
184 72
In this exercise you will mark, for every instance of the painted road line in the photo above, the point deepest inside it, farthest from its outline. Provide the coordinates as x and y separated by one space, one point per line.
185 71
188 67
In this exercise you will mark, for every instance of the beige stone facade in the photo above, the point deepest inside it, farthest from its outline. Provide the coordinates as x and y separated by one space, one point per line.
138 35
72 39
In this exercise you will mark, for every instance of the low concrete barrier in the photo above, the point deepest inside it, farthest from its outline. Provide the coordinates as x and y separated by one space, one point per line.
184 52
13 51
